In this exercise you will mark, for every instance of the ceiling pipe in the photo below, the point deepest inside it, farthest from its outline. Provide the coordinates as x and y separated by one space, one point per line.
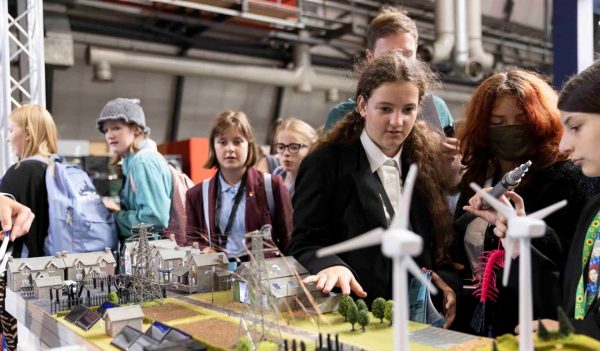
441 49
461 46
479 59
303 77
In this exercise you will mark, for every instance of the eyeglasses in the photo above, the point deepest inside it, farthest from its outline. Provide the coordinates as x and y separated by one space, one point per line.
293 148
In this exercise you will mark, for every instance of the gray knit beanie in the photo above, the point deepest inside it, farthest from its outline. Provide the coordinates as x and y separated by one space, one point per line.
127 110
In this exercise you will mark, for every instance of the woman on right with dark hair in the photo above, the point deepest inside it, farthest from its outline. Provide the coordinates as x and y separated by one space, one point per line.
580 115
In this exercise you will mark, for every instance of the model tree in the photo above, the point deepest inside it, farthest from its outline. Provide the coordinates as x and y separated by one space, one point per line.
543 333
352 314
343 306
363 319
361 305
388 312
378 308
565 327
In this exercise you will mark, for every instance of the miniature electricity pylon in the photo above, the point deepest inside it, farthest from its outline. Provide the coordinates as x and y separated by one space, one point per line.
522 229
146 286
398 243
258 288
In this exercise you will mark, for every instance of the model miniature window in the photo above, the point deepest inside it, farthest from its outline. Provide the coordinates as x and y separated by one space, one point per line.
102 263
79 265
78 276
51 268
26 270
170 264
277 286
292 284
25 282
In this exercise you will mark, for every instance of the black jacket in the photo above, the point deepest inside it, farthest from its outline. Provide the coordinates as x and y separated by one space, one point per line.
543 188
573 270
337 198
26 181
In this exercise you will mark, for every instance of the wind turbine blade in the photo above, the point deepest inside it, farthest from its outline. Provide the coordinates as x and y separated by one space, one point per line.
540 214
370 238
506 211
508 249
400 221
412 267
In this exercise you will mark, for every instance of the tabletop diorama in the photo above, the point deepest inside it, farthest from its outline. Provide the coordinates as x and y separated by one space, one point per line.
165 296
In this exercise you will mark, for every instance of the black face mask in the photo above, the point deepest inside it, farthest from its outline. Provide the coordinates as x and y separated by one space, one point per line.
509 143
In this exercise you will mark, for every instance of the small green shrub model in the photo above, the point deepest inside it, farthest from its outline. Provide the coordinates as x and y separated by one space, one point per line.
343 306
267 346
363 319
361 305
244 344
378 308
112 297
352 314
388 312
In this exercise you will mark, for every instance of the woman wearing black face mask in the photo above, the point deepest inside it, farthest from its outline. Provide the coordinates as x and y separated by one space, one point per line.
512 117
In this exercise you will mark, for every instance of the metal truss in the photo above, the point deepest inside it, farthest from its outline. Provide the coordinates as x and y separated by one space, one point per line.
22 41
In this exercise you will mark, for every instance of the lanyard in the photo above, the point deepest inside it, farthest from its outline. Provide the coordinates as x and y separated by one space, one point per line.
236 202
584 297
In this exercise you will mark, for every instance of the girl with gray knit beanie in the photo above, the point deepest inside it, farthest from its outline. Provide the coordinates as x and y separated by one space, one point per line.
147 182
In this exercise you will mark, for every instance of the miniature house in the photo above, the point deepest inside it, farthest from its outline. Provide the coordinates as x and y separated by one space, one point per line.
282 280
128 253
166 260
42 286
202 273
117 318
23 272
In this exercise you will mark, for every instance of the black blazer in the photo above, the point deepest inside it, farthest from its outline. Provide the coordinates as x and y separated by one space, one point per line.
591 324
337 198
545 187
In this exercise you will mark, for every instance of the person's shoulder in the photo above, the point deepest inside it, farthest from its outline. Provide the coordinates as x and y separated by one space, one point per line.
28 166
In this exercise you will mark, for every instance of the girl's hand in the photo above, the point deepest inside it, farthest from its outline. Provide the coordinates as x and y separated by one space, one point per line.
339 276
111 206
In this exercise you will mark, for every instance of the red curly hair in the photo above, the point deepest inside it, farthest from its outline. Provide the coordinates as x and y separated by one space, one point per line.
539 104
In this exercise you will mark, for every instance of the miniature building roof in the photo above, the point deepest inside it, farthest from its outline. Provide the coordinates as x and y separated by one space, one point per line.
124 313
48 281
169 254
190 250
276 268
88 258
35 263
208 259
180 270
161 243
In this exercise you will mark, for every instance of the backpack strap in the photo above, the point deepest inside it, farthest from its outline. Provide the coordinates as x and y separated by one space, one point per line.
205 190
269 191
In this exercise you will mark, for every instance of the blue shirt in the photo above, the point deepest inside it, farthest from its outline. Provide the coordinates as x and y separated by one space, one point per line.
235 241
344 107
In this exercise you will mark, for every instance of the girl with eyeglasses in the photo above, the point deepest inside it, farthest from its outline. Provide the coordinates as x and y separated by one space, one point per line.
238 197
293 139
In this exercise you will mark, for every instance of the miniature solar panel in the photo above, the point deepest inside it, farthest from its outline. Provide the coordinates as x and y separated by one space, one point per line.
126 337
106 305
157 330
141 343
76 313
88 319
176 335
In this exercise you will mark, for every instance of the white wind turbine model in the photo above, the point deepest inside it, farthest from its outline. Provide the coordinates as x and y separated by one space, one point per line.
398 243
522 229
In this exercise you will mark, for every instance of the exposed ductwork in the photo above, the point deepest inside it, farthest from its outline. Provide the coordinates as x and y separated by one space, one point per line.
479 60
459 37
442 47
461 43
303 77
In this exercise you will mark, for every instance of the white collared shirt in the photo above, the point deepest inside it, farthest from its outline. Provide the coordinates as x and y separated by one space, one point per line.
391 183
